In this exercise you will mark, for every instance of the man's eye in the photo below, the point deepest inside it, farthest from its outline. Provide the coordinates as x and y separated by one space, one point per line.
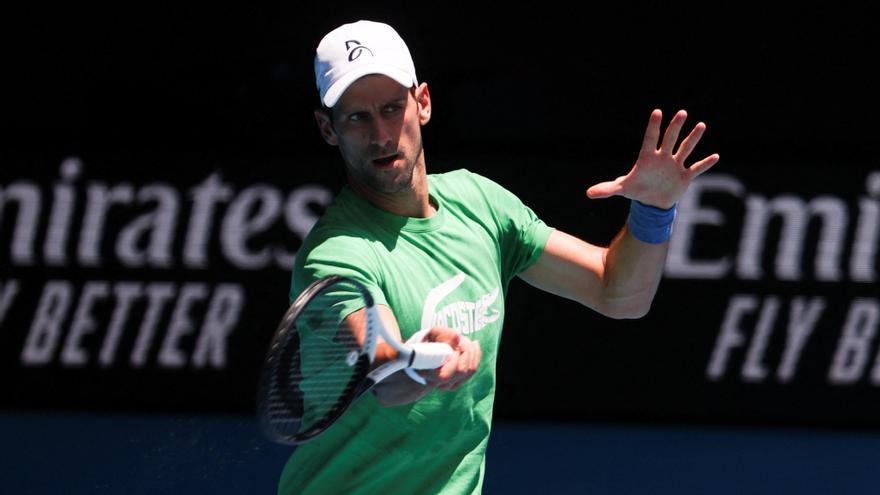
392 108
359 116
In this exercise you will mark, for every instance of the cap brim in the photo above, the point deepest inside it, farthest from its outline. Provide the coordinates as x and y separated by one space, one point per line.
335 91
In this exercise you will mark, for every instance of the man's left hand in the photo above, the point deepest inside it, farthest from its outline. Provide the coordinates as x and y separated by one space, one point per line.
659 177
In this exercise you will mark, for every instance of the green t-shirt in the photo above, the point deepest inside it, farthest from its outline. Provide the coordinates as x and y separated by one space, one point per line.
452 270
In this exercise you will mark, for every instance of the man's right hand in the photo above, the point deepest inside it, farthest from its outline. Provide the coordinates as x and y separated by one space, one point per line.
399 389
461 364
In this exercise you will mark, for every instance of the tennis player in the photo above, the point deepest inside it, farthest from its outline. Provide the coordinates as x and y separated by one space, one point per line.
437 252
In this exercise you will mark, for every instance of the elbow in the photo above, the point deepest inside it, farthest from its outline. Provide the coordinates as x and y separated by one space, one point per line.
639 312
624 311
617 306
626 315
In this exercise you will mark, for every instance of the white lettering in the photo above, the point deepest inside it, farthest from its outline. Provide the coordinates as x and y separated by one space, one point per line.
126 293
830 213
863 264
46 325
753 369
170 356
100 200
27 195
146 236
300 218
205 197
221 318
692 214
158 225
209 349
55 247
794 232
7 295
731 335
240 224
802 321
158 295
83 322
851 355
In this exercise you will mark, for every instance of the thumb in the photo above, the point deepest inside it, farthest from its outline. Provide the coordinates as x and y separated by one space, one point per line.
445 335
605 189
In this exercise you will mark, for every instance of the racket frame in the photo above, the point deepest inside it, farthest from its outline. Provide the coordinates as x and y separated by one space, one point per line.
418 355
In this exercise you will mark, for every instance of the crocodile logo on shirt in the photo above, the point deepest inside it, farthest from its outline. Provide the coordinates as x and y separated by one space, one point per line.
465 316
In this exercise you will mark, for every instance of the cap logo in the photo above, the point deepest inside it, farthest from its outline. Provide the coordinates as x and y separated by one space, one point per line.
356 50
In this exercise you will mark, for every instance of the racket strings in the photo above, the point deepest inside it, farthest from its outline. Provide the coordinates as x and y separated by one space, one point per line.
315 374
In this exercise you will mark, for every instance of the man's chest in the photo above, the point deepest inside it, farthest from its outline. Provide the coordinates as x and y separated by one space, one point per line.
449 278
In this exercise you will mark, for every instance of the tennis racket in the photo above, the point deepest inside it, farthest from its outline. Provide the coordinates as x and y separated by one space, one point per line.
315 368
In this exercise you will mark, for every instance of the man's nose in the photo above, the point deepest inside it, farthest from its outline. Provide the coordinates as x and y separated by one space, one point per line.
381 133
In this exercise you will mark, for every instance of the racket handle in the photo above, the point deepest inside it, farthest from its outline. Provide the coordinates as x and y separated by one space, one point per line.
429 355
411 342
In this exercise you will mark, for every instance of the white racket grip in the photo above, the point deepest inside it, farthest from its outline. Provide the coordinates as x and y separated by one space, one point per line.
415 339
429 355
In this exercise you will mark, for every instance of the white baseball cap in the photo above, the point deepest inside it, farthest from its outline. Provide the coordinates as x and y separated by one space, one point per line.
354 50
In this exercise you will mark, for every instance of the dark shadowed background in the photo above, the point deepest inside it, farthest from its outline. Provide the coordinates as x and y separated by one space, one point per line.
160 166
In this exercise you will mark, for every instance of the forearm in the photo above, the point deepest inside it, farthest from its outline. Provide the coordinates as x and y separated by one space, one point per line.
631 276
620 281
397 389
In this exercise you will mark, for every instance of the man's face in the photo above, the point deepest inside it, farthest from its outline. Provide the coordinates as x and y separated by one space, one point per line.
377 127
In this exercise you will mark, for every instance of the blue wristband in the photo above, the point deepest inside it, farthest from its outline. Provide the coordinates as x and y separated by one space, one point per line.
650 224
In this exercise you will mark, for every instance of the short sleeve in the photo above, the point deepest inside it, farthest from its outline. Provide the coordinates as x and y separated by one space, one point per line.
326 254
522 235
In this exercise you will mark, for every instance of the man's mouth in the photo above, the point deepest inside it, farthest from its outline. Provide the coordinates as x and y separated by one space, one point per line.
386 161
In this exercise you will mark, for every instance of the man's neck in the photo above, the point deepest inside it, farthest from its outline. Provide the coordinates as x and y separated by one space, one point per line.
413 201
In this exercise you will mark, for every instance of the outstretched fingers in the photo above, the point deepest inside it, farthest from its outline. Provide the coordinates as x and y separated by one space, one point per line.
703 165
657 161
652 133
672 132
690 142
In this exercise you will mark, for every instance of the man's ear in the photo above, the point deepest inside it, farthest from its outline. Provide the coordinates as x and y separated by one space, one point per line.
423 98
325 125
